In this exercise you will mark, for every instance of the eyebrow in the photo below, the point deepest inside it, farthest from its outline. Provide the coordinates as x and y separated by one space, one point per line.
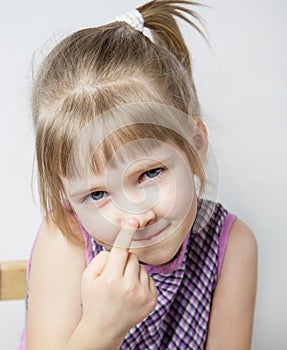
81 191
140 166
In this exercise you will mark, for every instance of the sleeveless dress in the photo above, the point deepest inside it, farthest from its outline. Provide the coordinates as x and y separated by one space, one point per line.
185 285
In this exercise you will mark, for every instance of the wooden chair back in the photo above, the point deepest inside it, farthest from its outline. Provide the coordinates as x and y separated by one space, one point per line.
13 282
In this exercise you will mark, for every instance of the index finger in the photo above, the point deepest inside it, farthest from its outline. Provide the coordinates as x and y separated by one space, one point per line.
125 236
120 250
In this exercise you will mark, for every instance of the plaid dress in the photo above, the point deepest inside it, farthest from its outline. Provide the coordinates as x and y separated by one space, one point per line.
185 285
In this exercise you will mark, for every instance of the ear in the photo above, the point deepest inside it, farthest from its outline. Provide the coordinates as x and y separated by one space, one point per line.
200 137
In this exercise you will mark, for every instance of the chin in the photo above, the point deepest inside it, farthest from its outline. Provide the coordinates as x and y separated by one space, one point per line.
157 254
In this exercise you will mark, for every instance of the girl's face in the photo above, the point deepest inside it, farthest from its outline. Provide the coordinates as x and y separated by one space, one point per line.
157 189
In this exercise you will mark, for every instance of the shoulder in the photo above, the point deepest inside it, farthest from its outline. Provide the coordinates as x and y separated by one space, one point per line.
239 268
52 249
53 254
233 303
49 230
50 242
241 249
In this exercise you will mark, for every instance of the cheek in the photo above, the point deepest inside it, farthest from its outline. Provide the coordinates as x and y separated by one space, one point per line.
98 226
176 200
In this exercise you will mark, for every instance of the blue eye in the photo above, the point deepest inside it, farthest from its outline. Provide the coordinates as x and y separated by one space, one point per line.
97 195
150 174
153 173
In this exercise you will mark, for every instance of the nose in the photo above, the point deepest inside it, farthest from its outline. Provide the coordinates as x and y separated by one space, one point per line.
135 204
144 218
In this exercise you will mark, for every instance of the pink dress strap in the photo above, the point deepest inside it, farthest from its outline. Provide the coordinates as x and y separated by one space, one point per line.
223 238
88 245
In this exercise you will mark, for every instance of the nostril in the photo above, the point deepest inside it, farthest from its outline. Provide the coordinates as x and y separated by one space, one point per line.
149 222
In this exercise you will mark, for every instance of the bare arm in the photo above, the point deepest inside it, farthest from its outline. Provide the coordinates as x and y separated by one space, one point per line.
54 292
231 320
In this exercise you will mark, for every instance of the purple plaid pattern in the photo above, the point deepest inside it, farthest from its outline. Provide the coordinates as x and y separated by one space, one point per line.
180 319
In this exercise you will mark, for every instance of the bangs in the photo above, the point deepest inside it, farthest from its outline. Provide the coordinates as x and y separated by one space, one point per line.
125 144
124 133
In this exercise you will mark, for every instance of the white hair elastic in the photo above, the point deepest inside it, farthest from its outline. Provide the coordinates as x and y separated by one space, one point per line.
134 18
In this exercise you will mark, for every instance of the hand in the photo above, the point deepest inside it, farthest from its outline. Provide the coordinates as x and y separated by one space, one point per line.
117 293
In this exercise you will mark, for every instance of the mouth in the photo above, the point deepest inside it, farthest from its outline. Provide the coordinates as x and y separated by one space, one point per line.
151 238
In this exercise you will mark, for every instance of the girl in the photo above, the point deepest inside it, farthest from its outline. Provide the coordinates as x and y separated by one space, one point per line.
128 255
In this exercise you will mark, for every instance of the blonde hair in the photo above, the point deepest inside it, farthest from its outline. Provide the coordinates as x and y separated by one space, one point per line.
98 69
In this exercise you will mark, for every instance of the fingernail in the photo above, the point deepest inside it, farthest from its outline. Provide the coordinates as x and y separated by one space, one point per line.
133 222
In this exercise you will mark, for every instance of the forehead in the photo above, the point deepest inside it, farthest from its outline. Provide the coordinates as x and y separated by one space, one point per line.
139 149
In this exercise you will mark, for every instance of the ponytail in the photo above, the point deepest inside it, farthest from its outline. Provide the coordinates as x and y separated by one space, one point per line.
159 18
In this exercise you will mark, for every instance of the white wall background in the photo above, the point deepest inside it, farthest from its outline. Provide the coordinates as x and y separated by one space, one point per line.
242 85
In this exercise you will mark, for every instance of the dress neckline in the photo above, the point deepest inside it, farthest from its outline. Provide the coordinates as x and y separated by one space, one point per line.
171 265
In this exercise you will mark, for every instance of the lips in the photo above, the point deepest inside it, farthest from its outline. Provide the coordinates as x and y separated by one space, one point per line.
147 238
146 235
